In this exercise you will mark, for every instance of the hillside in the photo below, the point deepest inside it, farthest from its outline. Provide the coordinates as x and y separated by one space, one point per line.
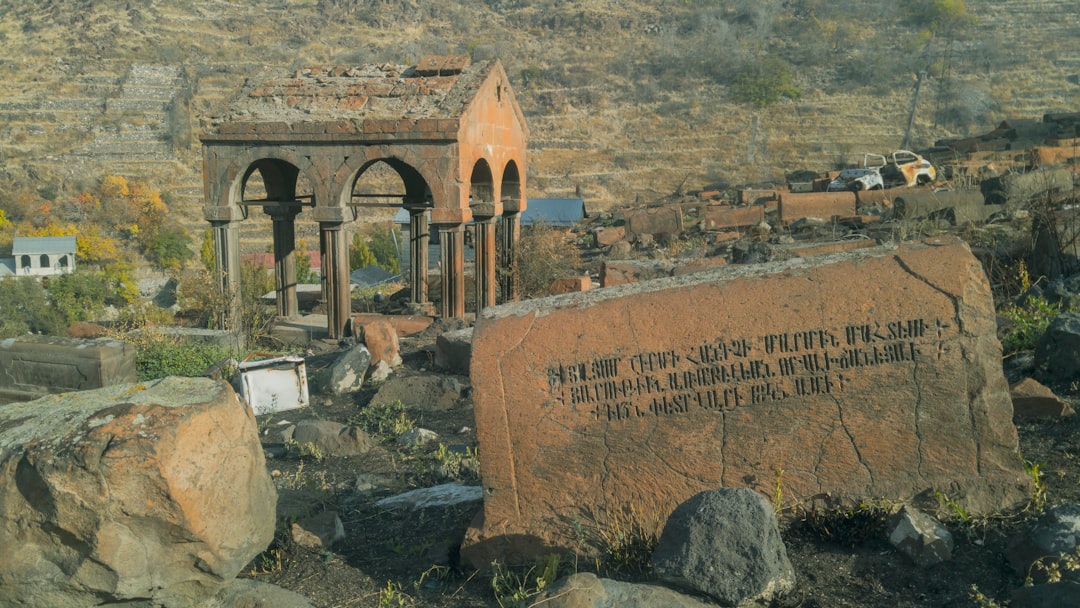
626 100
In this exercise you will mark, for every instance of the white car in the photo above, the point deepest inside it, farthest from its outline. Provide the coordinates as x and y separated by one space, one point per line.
901 168
857 179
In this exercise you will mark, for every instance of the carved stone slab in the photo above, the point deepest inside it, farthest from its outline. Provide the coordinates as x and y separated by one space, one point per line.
867 374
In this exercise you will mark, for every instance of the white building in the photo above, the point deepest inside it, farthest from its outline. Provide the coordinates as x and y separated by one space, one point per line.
42 256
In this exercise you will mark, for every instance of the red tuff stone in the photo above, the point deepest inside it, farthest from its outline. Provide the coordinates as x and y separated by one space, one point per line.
864 375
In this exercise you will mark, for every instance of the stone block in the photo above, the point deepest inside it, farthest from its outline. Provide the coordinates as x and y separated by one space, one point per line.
881 379
155 491
606 237
716 217
35 366
453 350
660 220
621 272
570 285
956 206
758 197
795 206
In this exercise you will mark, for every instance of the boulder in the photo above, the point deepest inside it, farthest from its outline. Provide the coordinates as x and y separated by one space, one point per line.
1056 532
725 543
155 491
347 373
1057 352
330 438
319 531
452 351
1031 399
586 590
381 340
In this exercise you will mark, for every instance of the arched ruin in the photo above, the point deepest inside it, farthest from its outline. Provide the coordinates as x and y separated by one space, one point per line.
449 128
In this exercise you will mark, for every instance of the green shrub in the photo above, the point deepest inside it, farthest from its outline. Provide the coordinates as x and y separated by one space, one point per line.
157 356
763 83
1029 323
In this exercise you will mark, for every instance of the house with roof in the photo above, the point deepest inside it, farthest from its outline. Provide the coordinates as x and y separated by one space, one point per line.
41 256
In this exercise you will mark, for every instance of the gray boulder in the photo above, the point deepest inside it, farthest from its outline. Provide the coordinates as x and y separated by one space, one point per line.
329 438
1057 352
346 374
726 544
1056 532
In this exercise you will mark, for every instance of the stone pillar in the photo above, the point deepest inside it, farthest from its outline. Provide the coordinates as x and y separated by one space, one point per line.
486 287
418 255
452 258
335 267
225 228
284 219
508 254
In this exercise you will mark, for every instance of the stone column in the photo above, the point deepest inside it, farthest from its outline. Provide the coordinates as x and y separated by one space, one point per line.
486 287
335 267
418 255
452 258
225 228
508 255
284 219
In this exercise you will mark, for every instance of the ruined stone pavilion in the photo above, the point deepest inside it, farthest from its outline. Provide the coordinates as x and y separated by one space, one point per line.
450 129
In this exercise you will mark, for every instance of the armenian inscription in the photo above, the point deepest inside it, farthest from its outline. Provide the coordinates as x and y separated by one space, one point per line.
725 373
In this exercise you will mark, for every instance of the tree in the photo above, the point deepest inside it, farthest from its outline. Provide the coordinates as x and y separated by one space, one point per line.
24 307
384 246
360 255
78 296
169 248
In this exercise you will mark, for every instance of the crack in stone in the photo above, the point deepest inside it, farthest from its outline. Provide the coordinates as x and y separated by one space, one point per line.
511 462
851 438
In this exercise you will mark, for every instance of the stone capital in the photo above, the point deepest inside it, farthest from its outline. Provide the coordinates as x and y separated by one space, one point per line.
231 213
333 214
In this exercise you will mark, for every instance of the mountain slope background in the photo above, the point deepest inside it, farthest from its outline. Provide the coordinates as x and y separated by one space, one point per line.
626 100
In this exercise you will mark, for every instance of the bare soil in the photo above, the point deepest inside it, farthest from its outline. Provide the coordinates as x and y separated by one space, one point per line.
409 558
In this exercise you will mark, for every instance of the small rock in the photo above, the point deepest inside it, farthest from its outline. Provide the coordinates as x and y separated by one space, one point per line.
586 590
921 537
318 532
416 437
445 495
1031 399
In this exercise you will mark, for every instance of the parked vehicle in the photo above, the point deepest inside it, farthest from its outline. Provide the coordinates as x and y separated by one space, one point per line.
901 168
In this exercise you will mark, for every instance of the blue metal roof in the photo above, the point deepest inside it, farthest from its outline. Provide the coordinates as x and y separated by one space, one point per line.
35 245
547 211
553 211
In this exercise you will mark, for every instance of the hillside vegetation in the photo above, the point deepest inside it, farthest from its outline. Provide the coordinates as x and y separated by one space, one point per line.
626 100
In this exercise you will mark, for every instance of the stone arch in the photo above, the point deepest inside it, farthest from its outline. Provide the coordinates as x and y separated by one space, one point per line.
481 184
511 196
280 172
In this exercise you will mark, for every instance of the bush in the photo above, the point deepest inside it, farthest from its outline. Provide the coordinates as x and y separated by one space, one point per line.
158 355
1029 323
545 254
24 308
764 83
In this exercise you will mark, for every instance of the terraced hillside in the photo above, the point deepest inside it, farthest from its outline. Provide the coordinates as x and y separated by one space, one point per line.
625 100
